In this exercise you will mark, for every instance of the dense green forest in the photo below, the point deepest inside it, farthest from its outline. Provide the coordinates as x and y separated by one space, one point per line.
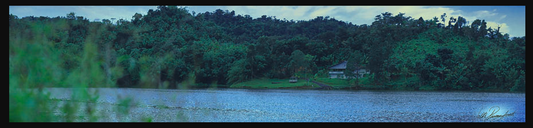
171 47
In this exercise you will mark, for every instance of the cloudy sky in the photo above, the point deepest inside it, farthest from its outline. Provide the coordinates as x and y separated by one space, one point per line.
511 19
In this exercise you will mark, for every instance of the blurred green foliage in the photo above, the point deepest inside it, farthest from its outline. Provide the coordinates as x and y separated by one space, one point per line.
40 57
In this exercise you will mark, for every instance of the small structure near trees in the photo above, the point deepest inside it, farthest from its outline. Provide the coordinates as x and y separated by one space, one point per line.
337 71
293 80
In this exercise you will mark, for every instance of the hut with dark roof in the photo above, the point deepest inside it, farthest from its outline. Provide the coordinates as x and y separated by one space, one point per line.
337 71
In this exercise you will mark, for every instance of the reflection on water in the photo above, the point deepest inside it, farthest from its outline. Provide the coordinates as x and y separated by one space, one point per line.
238 105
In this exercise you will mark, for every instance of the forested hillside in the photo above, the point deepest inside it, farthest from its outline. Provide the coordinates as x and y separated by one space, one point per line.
170 47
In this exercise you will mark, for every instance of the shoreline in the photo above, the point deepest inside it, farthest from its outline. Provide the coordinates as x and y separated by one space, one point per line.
338 84
373 89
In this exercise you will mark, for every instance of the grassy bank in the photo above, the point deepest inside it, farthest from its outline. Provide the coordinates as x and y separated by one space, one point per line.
338 84
265 83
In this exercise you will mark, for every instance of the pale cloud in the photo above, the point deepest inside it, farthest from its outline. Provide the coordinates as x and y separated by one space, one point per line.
107 12
287 12
503 27
489 15
426 12
297 11
323 11
484 13
291 12
502 17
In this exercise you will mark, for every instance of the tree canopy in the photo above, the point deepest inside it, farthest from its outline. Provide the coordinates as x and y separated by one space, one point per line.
169 46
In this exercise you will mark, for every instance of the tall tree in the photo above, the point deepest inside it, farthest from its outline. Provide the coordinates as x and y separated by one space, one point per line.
443 19
483 29
353 64
239 72
451 21
297 62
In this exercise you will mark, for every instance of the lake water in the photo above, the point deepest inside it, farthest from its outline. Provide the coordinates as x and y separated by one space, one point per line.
248 105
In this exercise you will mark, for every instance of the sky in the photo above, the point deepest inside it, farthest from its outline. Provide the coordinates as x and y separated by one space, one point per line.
511 19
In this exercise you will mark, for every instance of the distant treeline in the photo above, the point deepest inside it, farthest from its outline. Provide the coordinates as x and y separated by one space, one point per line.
170 47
